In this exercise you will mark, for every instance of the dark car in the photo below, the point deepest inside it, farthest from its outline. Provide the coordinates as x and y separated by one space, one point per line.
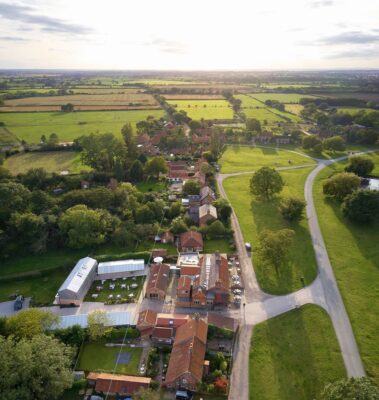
18 303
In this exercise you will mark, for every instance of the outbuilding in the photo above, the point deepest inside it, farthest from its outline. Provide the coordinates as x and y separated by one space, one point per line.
120 269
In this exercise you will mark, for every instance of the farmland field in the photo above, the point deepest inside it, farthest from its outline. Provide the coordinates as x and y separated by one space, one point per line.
353 110
206 109
294 355
282 97
294 108
68 126
194 97
105 90
6 137
52 161
116 101
255 215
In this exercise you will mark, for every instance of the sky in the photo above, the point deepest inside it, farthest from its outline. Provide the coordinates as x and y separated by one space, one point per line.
189 34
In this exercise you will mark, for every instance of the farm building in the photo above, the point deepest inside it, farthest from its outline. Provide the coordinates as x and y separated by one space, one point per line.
112 384
76 285
186 366
120 269
158 281
191 241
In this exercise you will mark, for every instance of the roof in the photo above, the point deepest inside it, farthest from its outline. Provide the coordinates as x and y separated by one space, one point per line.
190 270
120 266
162 333
188 259
206 191
214 272
148 317
79 274
185 283
207 209
116 318
188 352
109 383
221 321
158 277
191 239
171 320
114 377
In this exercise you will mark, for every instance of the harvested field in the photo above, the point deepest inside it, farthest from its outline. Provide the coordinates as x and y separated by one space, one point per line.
206 109
294 108
193 97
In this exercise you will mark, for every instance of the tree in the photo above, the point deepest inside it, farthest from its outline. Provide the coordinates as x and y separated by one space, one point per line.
136 171
194 125
254 125
334 143
34 369
175 210
146 394
216 229
128 135
266 182
340 185
216 143
191 188
53 140
35 178
102 151
292 208
351 389
30 322
362 206
311 142
69 107
85 227
144 215
14 197
156 166
224 210
98 324
178 226
274 246
361 166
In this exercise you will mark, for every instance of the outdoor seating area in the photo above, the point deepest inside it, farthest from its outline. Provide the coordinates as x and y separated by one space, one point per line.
116 291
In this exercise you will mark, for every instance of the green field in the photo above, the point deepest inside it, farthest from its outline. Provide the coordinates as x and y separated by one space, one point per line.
31 126
353 110
244 158
52 161
6 137
282 97
204 109
294 108
354 254
256 215
294 355
96 357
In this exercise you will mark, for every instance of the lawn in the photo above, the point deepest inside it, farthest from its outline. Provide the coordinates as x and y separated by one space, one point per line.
245 158
206 109
294 355
106 291
52 161
31 126
255 215
97 357
151 185
221 245
354 254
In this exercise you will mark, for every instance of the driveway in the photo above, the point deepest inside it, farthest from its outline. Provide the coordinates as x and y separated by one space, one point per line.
7 307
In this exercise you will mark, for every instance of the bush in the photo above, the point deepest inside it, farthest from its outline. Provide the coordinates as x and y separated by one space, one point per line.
362 206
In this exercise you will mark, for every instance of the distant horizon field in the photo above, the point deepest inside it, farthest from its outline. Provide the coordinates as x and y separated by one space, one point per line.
214 109
282 97
69 126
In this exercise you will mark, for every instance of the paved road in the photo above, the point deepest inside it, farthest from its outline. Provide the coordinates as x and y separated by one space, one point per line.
260 306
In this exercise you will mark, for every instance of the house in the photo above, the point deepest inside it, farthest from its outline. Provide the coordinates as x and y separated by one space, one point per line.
191 241
264 138
158 281
193 213
177 170
207 213
183 291
78 282
112 384
120 269
167 237
186 366
171 320
146 322
162 335
207 195
189 263
193 200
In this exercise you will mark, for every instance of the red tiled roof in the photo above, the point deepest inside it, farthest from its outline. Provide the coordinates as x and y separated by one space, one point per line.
122 384
185 282
158 277
162 333
191 239
163 320
147 317
193 328
190 270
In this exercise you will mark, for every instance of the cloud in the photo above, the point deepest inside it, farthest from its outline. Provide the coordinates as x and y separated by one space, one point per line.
166 45
13 39
360 53
322 3
354 37
25 14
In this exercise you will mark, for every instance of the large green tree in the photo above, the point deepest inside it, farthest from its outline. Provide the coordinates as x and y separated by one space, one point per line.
224 209
34 369
351 389
191 187
13 197
136 171
98 324
266 182
361 166
362 206
292 208
85 227
341 184
102 151
334 143
155 166
129 139
274 246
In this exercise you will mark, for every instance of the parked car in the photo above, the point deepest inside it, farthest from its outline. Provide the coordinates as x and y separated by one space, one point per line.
248 246
18 303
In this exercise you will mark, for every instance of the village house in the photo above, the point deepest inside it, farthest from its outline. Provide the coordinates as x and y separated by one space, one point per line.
158 281
112 384
186 366
183 291
207 195
189 263
191 241
207 213
146 322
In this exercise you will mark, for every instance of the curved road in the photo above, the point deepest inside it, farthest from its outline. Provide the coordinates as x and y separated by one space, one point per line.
260 306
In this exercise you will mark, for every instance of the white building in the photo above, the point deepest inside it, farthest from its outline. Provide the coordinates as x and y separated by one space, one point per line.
115 318
120 269
77 284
